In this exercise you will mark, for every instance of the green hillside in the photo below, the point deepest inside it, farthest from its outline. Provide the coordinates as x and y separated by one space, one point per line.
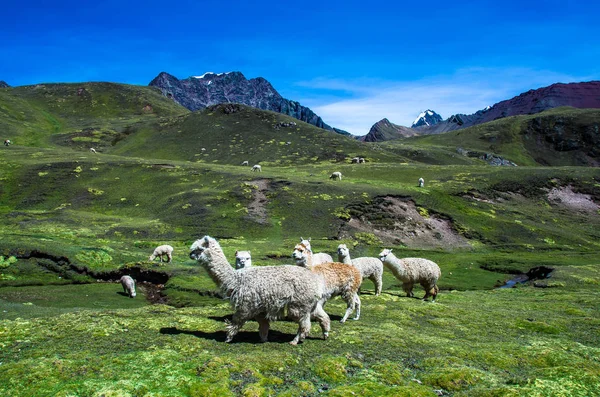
72 222
79 114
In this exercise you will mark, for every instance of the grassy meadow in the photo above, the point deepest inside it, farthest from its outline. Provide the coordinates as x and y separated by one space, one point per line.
72 222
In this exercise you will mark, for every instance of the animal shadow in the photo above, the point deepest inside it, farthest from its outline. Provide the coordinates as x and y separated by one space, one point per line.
123 294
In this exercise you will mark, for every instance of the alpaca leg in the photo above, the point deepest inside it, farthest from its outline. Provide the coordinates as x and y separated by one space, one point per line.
323 318
303 329
408 287
169 258
263 328
234 327
351 302
378 284
357 305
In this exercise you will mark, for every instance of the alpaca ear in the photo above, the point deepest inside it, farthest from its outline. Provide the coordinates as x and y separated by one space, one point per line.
249 253
236 253
309 239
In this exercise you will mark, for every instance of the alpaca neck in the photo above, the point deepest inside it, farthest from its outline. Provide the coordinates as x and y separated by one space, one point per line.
396 265
219 269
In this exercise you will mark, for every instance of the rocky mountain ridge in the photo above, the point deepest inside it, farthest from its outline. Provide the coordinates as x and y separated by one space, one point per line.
385 130
578 95
199 92
3 84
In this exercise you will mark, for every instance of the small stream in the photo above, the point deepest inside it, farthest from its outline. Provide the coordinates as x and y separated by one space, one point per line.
536 273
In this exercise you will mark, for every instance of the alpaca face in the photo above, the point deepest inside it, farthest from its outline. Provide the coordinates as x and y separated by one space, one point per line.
300 254
197 249
384 254
343 250
242 259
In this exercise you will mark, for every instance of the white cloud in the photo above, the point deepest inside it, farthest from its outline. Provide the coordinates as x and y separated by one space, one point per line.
367 101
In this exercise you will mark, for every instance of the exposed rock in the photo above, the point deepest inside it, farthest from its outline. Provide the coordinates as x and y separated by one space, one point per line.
397 220
209 89
3 84
490 158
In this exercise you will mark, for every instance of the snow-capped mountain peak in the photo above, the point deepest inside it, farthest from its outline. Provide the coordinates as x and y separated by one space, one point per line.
428 117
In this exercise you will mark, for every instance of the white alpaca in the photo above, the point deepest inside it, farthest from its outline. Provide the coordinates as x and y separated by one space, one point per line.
245 162
371 268
421 182
264 292
242 259
128 286
338 278
412 271
92 150
7 142
355 160
336 175
319 257
256 168
161 251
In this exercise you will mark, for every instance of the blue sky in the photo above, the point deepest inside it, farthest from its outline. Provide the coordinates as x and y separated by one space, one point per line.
352 62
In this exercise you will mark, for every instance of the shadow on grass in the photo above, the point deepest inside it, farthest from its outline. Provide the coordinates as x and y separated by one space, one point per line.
242 337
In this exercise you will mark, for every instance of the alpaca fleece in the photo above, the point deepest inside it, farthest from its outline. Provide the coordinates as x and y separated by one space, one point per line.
413 271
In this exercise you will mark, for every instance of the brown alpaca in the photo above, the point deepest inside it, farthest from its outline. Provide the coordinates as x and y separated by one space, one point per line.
339 279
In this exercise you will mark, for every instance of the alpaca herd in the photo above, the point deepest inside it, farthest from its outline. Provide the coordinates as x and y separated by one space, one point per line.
298 292
267 293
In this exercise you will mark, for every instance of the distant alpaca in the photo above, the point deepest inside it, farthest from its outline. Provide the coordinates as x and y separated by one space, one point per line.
256 167
128 286
319 257
355 160
264 292
242 259
339 279
162 250
421 182
92 150
413 270
371 268
7 142
245 162
336 175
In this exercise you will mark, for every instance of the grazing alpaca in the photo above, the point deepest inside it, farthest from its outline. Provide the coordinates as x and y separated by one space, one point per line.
412 271
162 250
336 175
319 257
264 292
7 142
128 286
421 182
92 150
339 279
242 259
371 268
256 167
